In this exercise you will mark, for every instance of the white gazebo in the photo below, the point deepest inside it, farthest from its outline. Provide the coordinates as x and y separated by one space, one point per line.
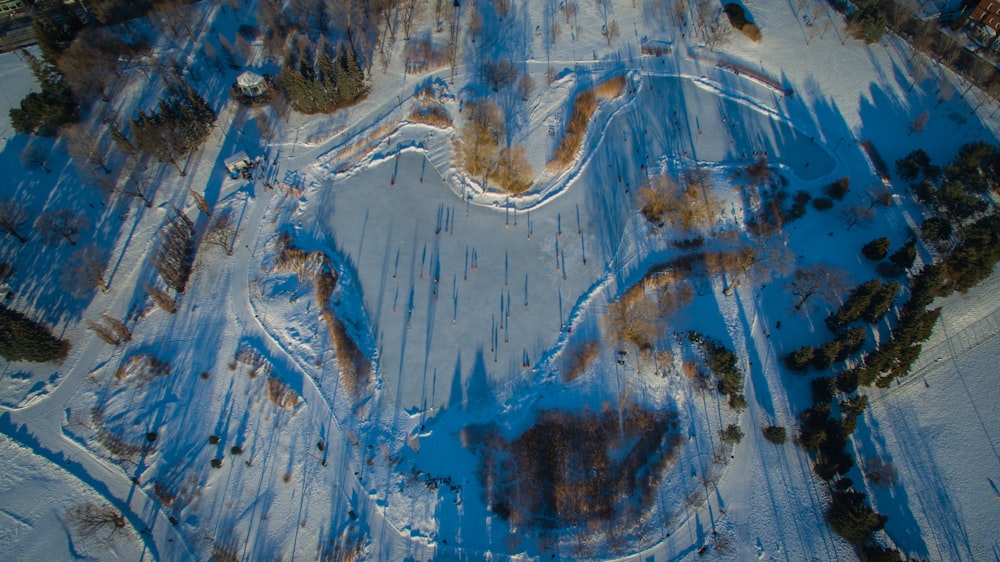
251 84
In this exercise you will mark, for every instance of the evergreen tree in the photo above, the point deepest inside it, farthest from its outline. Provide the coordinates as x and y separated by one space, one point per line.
905 255
826 354
23 339
936 229
877 249
322 83
881 302
800 359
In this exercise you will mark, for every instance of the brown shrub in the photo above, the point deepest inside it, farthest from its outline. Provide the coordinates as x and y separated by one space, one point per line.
281 394
431 113
752 32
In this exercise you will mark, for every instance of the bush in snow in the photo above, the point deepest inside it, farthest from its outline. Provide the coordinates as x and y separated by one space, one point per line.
775 434
732 434
877 249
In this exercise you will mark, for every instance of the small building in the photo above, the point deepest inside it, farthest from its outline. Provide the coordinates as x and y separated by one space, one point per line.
237 163
251 84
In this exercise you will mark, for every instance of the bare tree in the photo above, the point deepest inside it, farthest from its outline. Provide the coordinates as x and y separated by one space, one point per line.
857 215
85 271
718 33
879 194
136 184
410 10
499 73
13 216
766 256
61 224
822 281
691 208
88 145
97 521
635 319
920 122
222 232
35 158
611 31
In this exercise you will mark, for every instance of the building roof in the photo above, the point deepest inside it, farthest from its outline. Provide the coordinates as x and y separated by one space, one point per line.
987 12
249 79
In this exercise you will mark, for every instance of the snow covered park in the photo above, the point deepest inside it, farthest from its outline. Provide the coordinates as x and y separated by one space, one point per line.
381 356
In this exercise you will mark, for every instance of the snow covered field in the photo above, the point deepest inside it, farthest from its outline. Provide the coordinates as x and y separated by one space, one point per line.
472 304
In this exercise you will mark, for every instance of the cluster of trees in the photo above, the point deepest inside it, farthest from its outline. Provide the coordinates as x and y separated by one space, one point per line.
692 207
179 124
825 428
845 344
722 362
45 111
485 148
738 19
957 191
558 472
869 301
317 78
964 220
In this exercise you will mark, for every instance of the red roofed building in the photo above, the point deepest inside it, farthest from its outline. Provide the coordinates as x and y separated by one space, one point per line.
985 21
987 13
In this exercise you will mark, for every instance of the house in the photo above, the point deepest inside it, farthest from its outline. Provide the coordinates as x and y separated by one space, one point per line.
237 163
984 24
11 7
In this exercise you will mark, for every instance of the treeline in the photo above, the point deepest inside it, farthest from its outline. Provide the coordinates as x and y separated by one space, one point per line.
870 19
966 230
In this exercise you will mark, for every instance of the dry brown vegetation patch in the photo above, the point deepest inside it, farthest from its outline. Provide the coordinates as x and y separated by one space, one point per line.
354 364
431 112
143 367
281 394
583 109
575 468
641 312
485 152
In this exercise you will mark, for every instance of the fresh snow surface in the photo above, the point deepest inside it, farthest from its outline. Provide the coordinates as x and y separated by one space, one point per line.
471 303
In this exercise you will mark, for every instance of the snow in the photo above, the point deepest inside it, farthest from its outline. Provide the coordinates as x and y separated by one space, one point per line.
470 304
